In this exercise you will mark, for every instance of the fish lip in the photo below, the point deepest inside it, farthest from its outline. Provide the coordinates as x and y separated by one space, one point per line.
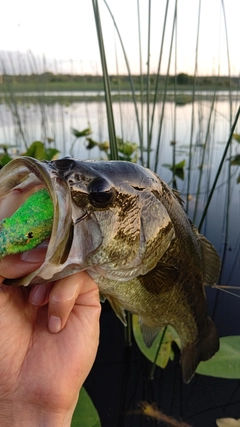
24 173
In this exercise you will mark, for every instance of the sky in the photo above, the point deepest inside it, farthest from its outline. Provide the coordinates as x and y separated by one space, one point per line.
61 35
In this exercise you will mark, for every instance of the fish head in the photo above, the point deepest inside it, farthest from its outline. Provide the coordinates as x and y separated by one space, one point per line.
107 219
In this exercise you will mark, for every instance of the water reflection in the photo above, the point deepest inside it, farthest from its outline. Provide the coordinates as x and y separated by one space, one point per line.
40 121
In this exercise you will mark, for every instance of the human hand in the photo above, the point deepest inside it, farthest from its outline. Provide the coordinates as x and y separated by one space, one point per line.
41 369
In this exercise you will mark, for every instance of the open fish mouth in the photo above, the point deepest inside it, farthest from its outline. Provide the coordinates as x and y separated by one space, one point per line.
19 180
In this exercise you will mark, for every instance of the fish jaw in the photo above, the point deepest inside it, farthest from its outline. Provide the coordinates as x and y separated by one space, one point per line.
26 175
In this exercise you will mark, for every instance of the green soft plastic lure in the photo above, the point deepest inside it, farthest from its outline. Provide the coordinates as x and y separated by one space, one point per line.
29 226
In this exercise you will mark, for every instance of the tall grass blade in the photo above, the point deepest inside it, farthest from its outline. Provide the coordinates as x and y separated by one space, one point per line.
219 169
130 79
228 189
174 182
193 106
153 367
148 74
165 90
13 104
141 74
228 58
119 95
157 82
206 139
36 69
110 117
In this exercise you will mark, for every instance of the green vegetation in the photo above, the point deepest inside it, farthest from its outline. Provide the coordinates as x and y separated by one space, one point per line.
52 87
50 82
67 82
226 362
85 413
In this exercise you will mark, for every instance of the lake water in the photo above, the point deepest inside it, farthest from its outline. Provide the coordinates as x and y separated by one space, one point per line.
40 121
209 135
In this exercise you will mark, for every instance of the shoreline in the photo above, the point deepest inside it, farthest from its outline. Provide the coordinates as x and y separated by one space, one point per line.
180 97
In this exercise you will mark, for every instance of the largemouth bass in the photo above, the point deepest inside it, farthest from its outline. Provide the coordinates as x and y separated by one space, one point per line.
128 229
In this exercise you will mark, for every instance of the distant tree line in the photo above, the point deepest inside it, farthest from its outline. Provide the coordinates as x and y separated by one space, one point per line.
179 79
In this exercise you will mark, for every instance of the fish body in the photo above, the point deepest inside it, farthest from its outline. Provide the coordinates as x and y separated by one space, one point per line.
128 229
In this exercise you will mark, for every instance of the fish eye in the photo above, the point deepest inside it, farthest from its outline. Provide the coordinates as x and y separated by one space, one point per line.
101 194
64 164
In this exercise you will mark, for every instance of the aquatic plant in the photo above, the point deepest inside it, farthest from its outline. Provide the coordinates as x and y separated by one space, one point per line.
178 168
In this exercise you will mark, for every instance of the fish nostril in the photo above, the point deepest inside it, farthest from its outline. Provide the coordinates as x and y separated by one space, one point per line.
77 177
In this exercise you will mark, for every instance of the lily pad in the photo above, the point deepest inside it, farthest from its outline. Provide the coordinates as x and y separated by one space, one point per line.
177 168
38 150
228 422
226 362
80 133
235 160
85 413
90 143
104 146
236 136
4 159
162 356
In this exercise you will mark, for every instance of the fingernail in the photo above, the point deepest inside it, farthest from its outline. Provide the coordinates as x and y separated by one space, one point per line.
54 324
38 294
36 255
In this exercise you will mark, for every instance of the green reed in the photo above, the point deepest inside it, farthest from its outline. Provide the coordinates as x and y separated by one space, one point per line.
111 124
130 78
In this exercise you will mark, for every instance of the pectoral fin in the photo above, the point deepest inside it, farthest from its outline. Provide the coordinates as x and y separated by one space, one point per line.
161 276
155 282
119 310
102 297
149 333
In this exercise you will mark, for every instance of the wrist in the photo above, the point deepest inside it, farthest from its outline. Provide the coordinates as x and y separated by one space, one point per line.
18 415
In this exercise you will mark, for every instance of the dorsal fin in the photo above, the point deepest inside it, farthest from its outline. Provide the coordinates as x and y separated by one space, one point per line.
210 259
178 197
211 262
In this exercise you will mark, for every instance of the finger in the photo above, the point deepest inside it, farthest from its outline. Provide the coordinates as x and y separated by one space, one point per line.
14 199
39 294
18 265
77 289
